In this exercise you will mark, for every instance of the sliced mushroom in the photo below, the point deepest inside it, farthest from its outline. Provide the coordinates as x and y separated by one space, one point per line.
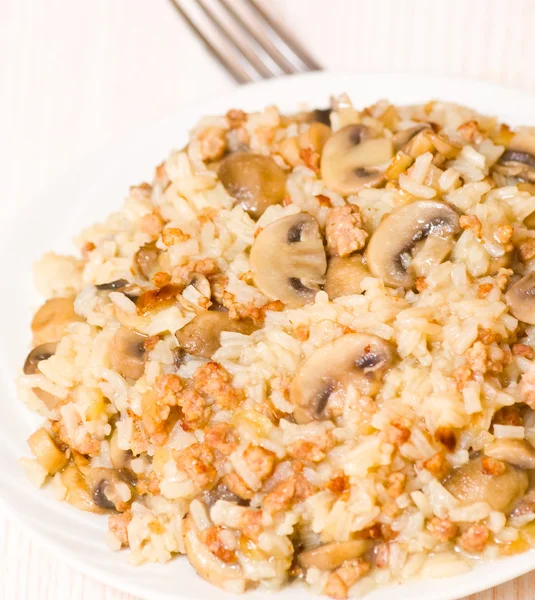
128 353
518 160
146 260
207 565
39 353
389 249
357 358
330 556
520 299
117 284
353 159
201 336
109 489
254 180
514 451
288 260
52 319
78 492
470 484
344 276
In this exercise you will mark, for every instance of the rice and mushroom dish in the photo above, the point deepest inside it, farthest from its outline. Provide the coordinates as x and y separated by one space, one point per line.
304 352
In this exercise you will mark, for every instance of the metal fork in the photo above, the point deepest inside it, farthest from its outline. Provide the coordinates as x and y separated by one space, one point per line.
245 38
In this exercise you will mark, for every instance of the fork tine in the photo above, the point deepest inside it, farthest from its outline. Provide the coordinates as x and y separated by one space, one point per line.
245 51
302 54
239 74
261 39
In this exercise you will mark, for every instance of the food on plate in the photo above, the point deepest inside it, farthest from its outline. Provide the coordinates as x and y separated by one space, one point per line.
303 352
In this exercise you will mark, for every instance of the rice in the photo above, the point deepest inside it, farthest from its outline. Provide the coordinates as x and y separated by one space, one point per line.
301 335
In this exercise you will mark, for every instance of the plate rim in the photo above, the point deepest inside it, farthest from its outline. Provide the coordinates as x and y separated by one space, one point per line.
233 97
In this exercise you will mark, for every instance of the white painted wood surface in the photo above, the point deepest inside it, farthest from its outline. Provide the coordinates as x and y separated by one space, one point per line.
77 73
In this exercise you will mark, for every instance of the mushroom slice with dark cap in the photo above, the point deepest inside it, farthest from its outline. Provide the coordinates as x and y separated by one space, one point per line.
390 246
254 180
128 353
109 489
146 260
207 564
514 451
288 260
344 276
518 160
469 483
330 556
520 299
201 336
404 136
31 367
353 159
357 358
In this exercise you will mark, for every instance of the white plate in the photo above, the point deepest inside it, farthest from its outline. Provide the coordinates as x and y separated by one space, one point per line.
89 192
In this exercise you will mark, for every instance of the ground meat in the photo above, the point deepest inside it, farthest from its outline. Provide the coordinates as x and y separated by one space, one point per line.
236 118
212 143
470 132
118 525
477 357
85 444
210 537
397 433
338 484
487 336
344 231
442 529
157 404
221 437
527 387
160 279
152 224
285 492
238 486
503 234
197 462
523 350
302 332
260 461
462 375
492 466
213 381
526 249
396 484
475 538
310 451
471 222
342 579
195 411
438 465
421 284
311 158
139 440
250 524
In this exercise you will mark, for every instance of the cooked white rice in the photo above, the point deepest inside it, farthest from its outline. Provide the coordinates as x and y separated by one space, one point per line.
347 428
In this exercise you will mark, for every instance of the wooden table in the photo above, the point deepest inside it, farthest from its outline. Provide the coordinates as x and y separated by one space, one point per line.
75 74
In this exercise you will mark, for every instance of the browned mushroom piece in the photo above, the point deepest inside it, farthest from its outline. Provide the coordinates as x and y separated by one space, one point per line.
402 138
46 452
202 335
50 322
332 555
255 181
357 358
389 252
469 483
520 299
78 493
146 260
288 260
353 159
128 353
518 159
31 367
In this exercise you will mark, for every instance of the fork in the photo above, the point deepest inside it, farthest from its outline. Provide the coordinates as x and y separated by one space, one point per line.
245 39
